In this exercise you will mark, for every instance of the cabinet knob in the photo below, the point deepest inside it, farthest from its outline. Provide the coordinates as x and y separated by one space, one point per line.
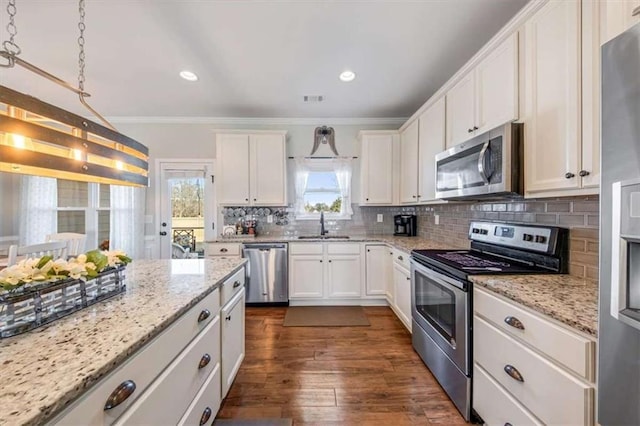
224 250
120 394
569 175
413 196
367 199
246 199
228 317
236 284
321 261
508 424
204 315
329 261
204 361
368 250
408 279
400 258
475 127
206 415
255 199
470 130
584 173
513 373
514 322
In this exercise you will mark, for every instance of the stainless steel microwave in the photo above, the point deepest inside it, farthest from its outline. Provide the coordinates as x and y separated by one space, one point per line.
487 166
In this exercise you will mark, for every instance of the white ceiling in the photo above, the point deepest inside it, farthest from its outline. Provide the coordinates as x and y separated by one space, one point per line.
254 58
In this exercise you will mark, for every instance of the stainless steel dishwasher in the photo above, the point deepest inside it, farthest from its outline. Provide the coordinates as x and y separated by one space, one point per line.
267 273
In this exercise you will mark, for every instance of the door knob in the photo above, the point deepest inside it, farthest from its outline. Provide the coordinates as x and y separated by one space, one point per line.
163 233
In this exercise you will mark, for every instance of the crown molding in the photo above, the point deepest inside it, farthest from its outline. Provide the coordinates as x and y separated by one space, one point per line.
278 121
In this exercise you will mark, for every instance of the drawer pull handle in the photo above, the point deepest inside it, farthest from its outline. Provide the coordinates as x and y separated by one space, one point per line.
514 322
204 361
228 317
204 315
513 373
508 424
224 250
120 394
636 11
206 415
236 284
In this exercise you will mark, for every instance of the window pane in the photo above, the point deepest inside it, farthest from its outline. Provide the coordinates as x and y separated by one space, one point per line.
322 180
316 202
103 225
73 194
105 195
71 221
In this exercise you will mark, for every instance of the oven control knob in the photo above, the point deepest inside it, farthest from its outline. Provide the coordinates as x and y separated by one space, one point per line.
475 230
541 239
527 237
484 232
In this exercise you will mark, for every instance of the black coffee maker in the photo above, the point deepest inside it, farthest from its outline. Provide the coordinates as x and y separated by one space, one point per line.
405 225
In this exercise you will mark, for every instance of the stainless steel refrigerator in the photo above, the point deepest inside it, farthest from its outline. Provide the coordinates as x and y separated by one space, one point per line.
619 310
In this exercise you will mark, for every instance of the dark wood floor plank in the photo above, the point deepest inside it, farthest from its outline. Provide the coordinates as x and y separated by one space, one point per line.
335 375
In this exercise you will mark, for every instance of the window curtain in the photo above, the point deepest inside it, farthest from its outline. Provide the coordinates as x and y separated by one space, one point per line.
342 168
126 230
38 209
301 177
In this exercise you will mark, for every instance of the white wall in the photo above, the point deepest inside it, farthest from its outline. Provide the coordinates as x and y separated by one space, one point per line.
9 204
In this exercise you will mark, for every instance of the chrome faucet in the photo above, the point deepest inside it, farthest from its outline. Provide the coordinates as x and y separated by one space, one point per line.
323 231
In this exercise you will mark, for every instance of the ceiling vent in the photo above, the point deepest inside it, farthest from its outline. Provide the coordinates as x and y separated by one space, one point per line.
312 99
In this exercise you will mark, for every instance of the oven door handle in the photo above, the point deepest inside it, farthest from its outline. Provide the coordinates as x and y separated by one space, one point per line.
481 168
438 277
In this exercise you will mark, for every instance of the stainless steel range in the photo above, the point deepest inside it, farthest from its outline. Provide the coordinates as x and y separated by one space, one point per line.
441 296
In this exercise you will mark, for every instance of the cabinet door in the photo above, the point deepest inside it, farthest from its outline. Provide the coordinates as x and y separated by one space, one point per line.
306 277
552 98
402 286
232 165
497 86
377 169
460 111
268 170
431 143
590 170
617 17
409 164
378 270
343 276
233 328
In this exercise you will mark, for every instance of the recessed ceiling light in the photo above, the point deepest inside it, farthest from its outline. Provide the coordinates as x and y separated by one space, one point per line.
188 75
347 76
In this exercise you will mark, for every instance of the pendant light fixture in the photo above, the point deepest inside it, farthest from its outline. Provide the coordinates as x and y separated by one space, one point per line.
37 138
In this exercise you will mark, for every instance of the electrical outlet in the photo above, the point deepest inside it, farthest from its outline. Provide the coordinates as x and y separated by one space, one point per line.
270 218
380 219
437 219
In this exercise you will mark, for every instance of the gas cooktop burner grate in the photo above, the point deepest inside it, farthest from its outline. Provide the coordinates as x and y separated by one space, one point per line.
469 261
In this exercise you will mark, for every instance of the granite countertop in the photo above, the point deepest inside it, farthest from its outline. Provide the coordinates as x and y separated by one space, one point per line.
43 370
565 298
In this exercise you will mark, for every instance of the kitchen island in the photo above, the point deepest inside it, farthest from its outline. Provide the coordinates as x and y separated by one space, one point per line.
45 370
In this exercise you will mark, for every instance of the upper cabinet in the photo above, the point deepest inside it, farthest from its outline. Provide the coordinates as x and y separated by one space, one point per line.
251 168
486 96
561 114
377 174
419 144
617 16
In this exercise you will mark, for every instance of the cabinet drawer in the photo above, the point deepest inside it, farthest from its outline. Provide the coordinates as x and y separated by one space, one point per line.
223 249
142 368
551 394
231 286
569 349
495 405
204 407
343 248
305 248
401 258
169 396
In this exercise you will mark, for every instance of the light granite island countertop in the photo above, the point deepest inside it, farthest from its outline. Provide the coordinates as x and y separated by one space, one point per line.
565 298
42 371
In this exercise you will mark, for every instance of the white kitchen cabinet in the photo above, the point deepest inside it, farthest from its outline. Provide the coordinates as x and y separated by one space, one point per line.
529 368
232 338
251 168
376 170
486 97
408 164
617 17
431 141
402 290
378 270
325 271
561 99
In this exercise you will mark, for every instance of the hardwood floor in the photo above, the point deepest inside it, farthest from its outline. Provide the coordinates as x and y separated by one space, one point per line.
335 375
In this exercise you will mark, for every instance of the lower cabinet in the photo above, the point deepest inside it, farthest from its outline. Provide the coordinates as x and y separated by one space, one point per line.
306 276
378 274
518 378
402 290
233 328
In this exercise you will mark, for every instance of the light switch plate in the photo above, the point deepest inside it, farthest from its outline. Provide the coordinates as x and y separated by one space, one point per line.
380 217
270 218
437 219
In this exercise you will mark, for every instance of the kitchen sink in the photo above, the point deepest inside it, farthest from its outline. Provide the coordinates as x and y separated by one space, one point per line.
323 237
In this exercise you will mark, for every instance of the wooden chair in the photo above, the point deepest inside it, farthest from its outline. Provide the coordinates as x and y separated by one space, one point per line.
57 249
75 242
